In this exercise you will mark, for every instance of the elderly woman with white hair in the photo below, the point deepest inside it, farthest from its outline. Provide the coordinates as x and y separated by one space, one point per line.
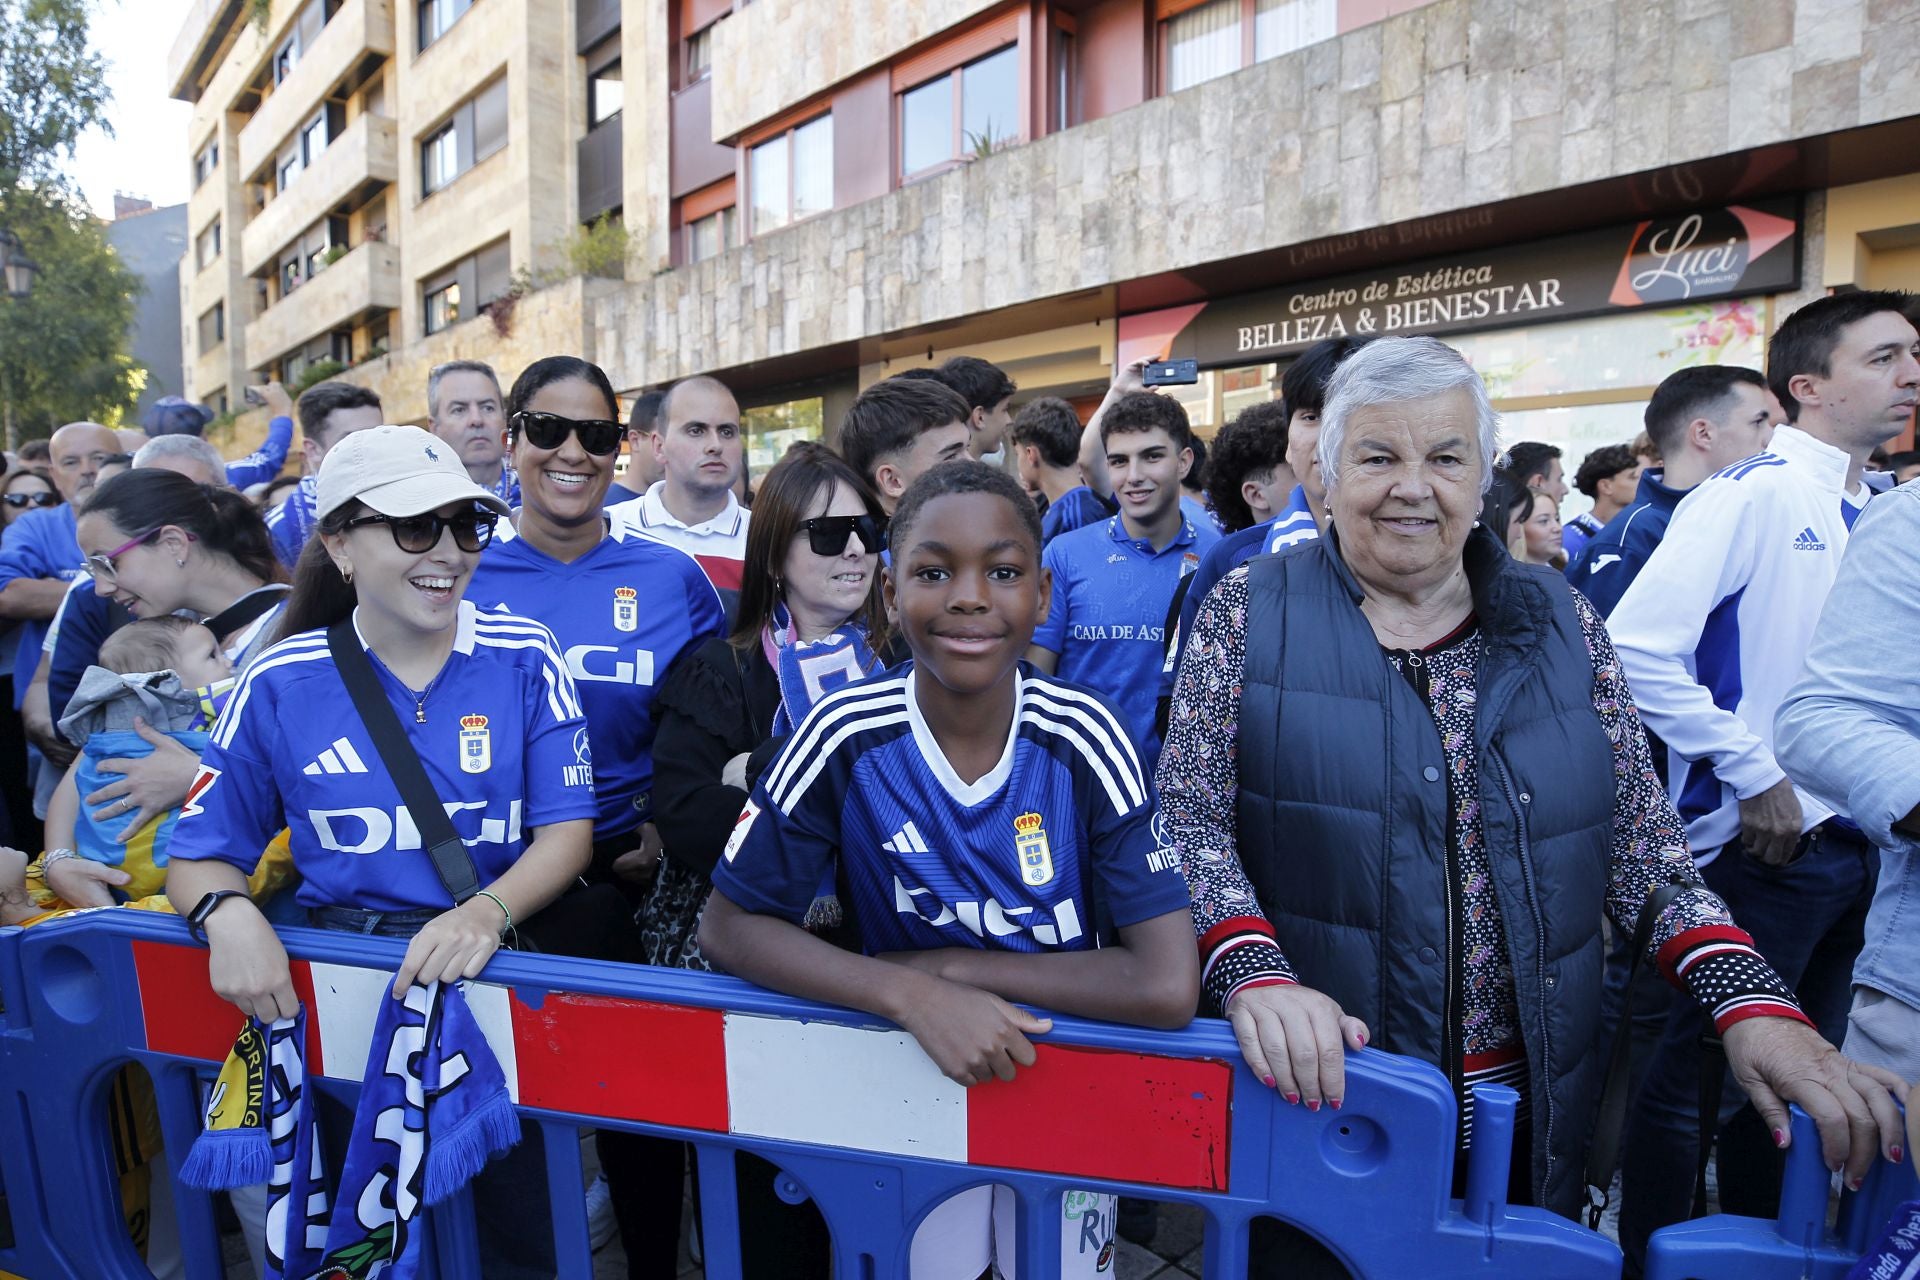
1441 787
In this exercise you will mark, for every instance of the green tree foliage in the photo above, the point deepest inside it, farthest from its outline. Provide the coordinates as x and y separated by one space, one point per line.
53 88
63 347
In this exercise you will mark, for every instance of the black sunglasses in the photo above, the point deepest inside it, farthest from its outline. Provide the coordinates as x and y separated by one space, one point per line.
416 535
598 436
827 535
33 499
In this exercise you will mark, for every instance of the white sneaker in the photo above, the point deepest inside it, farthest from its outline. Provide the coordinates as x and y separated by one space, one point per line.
600 1223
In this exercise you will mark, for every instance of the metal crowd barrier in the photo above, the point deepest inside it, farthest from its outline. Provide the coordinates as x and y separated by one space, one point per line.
852 1112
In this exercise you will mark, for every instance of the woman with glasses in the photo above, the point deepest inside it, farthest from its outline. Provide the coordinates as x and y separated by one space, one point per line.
624 609
810 620
157 543
483 699
28 489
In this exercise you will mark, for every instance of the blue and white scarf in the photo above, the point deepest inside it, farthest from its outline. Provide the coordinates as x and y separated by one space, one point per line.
1896 1254
811 669
433 1110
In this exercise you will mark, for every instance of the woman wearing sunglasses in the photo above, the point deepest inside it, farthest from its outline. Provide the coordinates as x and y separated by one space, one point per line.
809 621
484 701
624 608
28 489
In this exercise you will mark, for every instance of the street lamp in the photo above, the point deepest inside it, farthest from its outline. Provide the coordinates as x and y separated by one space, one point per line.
17 271
18 268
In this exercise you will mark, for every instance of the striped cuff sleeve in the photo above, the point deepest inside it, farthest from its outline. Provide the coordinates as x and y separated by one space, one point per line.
1238 953
1719 967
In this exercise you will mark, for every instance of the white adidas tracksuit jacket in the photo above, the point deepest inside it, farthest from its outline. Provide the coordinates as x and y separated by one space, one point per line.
1715 628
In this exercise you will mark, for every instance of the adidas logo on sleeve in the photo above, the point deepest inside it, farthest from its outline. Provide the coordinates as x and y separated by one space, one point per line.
338 758
1808 541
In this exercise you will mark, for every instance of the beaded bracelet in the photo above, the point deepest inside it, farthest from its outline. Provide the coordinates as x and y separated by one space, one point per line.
52 856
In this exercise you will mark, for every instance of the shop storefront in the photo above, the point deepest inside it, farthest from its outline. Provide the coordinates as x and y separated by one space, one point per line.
1571 334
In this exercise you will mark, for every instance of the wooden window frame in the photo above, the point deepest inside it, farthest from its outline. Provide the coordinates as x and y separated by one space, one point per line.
956 116
704 203
1164 10
783 129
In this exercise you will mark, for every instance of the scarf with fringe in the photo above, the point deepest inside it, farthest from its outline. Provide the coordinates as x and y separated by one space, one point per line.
433 1110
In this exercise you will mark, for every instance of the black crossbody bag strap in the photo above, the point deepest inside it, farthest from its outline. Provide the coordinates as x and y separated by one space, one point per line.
1603 1154
451 861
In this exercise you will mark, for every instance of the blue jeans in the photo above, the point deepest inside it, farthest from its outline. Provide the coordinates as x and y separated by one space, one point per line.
509 1195
1807 918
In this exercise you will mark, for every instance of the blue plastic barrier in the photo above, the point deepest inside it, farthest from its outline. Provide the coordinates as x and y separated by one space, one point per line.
1163 1115
1798 1245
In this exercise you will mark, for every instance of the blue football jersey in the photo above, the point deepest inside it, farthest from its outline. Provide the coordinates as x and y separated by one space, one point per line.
1056 844
504 744
1111 594
624 613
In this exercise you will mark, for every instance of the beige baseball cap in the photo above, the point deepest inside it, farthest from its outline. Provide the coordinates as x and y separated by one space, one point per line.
397 471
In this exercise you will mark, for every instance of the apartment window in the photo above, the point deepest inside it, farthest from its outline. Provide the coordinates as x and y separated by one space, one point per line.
205 163
206 245
711 236
460 291
213 327
306 29
971 111
792 175
1281 26
218 403
477 129
304 151
699 54
1203 43
436 16
603 95
289 166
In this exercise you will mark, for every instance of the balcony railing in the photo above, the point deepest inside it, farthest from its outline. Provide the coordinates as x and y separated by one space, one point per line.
359 34
363 158
600 170
367 279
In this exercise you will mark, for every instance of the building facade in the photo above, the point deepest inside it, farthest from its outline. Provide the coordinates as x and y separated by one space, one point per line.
1583 194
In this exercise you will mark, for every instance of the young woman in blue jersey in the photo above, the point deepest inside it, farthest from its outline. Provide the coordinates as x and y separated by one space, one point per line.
486 702
992 832
624 607
157 544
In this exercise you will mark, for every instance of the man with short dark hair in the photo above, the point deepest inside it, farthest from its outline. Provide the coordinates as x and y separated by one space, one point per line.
1701 419
696 442
1249 480
988 392
1711 635
1537 466
899 429
465 408
1114 581
643 469
1609 476
329 413
1046 448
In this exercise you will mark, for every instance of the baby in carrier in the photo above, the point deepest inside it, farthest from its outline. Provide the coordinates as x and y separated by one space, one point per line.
169 672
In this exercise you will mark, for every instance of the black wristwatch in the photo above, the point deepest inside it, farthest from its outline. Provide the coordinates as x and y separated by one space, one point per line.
197 919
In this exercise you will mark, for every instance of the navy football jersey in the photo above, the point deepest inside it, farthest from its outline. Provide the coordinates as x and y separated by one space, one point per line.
1059 838
504 744
624 613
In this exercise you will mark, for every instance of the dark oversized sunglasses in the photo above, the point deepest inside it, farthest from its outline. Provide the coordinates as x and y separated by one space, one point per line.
827 535
416 535
33 499
598 436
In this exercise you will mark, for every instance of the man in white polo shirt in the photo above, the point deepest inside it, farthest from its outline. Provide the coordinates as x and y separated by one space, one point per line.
698 443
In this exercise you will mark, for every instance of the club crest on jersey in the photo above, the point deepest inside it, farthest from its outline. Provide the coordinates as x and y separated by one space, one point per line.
202 781
476 750
1189 562
626 609
1030 842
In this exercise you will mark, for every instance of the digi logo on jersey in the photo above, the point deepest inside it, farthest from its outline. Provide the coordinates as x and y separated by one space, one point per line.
366 829
990 919
603 662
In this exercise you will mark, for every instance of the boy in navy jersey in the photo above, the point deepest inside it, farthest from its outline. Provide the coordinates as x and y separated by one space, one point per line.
992 828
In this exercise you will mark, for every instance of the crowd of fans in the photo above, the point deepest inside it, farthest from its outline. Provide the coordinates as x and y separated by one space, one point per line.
1338 733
